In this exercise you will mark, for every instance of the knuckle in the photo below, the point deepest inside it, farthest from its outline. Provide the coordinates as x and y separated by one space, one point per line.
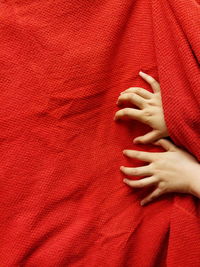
133 154
130 96
134 171
151 168
156 170
125 96
151 102
162 186
126 111
140 184
147 113
150 198
136 89
129 90
136 153
146 116
153 81
129 111
158 173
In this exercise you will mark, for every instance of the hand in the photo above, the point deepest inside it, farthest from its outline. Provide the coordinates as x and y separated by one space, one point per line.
172 171
150 109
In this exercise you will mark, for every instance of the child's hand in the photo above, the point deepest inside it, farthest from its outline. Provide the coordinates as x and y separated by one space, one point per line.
150 109
172 171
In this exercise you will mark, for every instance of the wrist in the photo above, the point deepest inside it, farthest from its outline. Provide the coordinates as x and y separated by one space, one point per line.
195 182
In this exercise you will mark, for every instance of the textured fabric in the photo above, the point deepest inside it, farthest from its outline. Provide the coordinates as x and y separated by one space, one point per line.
62 67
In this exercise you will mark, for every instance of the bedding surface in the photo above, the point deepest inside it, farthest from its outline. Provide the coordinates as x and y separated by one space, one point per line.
63 65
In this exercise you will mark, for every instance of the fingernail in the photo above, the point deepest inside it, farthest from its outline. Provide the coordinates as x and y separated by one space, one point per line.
141 72
125 180
124 151
142 203
121 167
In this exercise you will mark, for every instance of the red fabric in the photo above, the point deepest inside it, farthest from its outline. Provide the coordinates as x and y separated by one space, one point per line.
177 44
63 65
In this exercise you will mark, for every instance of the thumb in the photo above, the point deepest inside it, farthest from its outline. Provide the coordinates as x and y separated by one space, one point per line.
167 145
152 196
147 138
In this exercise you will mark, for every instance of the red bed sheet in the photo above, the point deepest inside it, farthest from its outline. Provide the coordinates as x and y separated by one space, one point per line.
62 67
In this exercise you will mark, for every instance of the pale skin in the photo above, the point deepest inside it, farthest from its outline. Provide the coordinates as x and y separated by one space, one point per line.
150 109
172 171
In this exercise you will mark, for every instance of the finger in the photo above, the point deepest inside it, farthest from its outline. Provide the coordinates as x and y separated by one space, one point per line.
141 155
149 79
147 138
131 113
132 98
167 145
139 91
141 183
155 194
141 171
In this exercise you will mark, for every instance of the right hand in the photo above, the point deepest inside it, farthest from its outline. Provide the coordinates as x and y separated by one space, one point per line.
172 171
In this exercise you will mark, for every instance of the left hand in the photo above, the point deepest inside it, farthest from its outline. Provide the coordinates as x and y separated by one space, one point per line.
150 109
172 171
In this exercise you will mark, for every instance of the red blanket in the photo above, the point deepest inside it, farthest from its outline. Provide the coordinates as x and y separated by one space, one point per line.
63 65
